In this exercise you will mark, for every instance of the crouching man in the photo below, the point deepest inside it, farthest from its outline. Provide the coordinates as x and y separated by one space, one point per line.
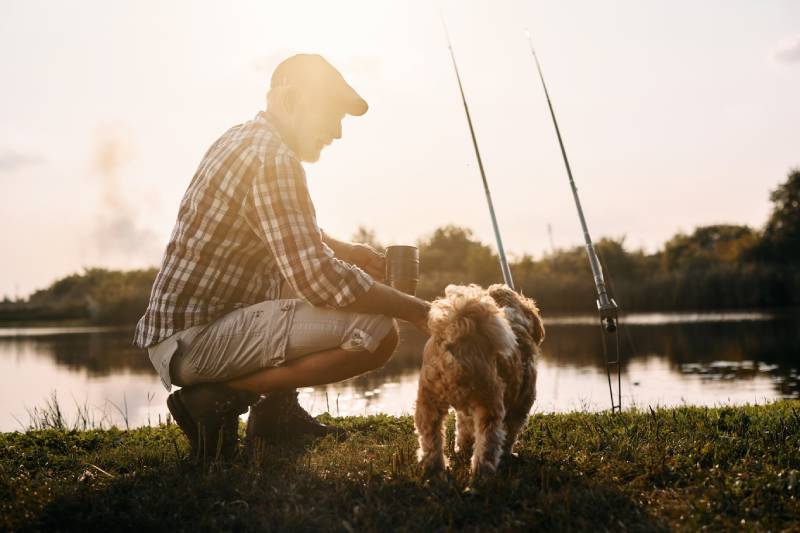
252 299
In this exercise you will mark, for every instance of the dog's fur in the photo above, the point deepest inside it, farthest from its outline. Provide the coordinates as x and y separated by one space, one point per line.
480 359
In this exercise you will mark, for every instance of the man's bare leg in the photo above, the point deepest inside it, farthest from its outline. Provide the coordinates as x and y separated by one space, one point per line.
319 368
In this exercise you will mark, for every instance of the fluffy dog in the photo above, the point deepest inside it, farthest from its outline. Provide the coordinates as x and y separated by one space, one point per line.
480 359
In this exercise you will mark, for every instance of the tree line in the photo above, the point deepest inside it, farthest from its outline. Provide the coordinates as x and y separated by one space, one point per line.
724 266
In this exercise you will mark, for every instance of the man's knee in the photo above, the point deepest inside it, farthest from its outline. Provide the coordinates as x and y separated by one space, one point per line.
387 346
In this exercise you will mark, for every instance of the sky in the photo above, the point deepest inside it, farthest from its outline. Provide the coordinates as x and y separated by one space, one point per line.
674 113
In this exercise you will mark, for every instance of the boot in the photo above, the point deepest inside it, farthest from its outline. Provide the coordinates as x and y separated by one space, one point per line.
208 414
277 416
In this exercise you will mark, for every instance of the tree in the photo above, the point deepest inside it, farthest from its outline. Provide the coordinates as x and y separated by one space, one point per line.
99 294
452 255
707 246
782 232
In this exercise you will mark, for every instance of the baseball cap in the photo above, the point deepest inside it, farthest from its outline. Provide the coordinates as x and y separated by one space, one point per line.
314 72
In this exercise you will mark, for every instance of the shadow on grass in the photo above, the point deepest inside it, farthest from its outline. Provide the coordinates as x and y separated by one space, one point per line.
362 484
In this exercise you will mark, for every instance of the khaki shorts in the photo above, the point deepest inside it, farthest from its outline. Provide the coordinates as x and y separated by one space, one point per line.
268 334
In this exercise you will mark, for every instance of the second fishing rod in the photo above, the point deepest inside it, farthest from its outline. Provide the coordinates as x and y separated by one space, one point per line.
606 306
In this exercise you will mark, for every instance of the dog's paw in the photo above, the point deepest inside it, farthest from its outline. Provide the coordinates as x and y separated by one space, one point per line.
462 454
482 472
432 466
510 460
433 472
482 481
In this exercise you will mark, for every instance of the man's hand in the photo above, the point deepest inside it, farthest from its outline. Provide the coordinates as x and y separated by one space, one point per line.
361 255
366 257
422 323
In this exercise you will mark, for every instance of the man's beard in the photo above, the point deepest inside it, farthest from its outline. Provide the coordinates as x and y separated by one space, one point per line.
310 155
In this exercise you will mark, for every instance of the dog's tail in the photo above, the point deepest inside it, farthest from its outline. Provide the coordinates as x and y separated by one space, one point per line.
469 324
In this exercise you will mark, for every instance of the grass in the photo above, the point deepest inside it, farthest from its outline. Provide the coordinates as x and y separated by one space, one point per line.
686 469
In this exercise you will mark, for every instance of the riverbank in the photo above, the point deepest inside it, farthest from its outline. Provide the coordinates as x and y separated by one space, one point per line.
685 468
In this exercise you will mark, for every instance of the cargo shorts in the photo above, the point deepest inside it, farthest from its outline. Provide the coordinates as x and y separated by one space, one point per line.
263 335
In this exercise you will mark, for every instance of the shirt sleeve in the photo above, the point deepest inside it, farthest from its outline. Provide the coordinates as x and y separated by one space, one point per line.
287 223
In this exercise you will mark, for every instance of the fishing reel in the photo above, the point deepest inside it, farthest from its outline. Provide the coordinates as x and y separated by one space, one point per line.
609 311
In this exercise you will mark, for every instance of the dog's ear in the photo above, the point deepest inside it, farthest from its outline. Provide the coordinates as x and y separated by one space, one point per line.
502 294
537 326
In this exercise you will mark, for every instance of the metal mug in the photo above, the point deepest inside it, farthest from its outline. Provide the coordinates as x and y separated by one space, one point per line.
402 268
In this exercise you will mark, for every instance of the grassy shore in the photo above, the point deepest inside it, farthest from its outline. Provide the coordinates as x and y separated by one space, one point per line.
690 468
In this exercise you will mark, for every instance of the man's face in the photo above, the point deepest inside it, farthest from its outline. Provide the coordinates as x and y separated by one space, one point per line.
317 121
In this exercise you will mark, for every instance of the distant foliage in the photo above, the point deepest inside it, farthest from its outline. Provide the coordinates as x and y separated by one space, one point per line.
452 255
99 295
708 246
781 241
721 266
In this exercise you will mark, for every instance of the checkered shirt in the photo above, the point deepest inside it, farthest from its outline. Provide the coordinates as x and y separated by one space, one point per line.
246 223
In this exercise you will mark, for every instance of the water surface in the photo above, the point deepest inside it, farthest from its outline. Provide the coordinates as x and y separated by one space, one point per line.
668 359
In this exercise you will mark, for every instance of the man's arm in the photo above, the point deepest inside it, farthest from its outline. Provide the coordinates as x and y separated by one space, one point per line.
287 224
340 248
381 299
361 255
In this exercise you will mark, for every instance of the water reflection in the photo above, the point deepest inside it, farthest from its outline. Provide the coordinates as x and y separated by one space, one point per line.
668 359
100 352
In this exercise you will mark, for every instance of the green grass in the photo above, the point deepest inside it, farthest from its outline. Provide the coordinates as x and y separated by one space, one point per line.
690 468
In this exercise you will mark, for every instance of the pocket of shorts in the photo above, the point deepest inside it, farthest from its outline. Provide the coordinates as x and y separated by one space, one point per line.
277 327
224 349
238 322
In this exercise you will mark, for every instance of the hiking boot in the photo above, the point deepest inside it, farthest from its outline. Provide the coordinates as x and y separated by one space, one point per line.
208 414
278 416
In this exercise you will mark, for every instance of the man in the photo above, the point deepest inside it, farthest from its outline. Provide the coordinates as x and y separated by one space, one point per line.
252 299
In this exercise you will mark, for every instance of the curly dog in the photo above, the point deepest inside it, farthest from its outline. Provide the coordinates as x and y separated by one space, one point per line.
480 359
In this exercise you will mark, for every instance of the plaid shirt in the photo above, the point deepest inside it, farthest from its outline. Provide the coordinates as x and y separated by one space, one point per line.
245 224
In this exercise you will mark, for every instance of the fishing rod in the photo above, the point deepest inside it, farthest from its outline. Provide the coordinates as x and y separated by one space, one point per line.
606 306
500 249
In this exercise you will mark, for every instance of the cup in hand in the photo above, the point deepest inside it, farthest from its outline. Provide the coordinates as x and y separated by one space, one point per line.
402 268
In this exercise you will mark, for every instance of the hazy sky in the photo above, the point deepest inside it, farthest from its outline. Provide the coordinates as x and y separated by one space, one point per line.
674 113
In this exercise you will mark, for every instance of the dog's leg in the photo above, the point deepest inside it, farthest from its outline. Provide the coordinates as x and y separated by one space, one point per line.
428 419
489 438
517 414
465 433
515 420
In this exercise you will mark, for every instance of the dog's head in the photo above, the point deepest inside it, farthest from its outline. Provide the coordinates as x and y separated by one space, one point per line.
466 311
523 307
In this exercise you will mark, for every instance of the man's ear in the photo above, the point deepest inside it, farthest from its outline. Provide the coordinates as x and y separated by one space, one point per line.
290 98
